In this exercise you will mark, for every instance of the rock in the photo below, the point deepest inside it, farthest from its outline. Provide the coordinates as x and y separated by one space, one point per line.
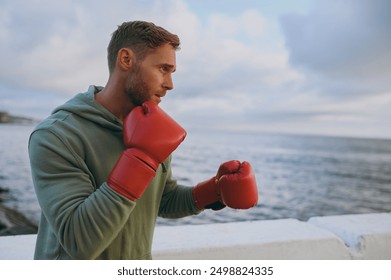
18 230
12 222
7 118
3 194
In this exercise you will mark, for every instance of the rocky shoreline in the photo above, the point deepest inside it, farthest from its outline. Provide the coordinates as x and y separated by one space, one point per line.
5 117
12 222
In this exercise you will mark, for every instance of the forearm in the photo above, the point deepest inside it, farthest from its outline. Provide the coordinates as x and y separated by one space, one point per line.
86 228
178 203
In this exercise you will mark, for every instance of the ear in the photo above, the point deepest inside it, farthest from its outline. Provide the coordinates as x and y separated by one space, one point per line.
125 59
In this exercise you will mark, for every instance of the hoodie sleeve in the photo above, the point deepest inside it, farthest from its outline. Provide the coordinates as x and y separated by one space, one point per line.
177 201
84 219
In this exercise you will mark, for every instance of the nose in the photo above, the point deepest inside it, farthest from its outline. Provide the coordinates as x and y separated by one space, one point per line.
168 84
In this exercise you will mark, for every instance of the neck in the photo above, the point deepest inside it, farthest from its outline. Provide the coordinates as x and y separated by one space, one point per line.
114 99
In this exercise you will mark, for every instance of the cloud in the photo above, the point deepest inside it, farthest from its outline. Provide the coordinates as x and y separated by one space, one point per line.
224 68
60 46
343 44
47 45
234 68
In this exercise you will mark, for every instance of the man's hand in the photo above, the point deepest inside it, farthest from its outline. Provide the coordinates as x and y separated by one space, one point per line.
234 186
150 136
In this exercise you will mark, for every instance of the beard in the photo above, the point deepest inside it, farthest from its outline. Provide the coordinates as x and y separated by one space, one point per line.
136 88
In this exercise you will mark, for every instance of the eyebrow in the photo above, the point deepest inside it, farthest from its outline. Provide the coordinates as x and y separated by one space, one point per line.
172 67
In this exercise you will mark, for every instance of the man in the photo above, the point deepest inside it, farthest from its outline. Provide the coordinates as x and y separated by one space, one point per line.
101 162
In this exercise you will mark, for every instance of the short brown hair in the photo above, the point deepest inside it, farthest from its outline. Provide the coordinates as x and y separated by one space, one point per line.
140 36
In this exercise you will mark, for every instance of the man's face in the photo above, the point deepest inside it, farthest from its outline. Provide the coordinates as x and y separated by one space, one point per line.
150 79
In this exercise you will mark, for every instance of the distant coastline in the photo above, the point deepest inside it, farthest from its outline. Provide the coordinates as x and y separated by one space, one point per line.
5 117
12 221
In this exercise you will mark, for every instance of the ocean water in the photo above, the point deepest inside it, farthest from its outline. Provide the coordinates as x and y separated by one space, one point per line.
298 176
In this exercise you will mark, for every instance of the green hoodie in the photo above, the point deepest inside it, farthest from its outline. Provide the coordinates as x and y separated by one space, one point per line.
71 154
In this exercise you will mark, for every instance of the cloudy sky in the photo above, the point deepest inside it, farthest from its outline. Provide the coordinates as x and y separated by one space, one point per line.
306 66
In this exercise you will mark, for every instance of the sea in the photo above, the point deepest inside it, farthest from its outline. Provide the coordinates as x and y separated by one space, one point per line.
298 176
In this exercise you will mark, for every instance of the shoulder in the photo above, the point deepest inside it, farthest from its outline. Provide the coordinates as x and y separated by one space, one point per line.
57 134
55 125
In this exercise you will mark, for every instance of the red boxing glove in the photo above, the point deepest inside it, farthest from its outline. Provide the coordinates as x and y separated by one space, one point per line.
153 131
151 135
234 186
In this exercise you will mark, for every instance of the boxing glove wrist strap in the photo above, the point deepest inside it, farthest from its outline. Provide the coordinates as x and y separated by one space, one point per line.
205 193
132 173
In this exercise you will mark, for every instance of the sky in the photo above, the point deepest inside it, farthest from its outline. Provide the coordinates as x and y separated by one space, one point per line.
306 66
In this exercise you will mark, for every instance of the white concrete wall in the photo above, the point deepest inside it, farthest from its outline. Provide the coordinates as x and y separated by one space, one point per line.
366 236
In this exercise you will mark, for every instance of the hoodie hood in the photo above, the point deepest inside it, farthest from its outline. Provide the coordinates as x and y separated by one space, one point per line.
85 106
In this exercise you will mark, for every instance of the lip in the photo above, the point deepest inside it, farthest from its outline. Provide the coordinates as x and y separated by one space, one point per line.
158 97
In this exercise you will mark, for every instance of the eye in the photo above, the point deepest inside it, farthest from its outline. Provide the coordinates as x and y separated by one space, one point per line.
167 68
164 68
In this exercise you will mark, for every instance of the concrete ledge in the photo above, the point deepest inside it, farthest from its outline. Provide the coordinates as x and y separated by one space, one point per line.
275 239
365 236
